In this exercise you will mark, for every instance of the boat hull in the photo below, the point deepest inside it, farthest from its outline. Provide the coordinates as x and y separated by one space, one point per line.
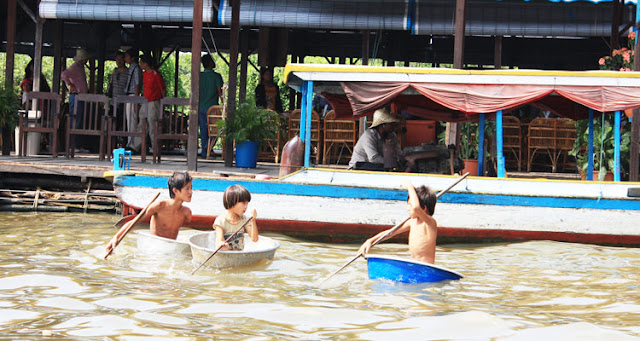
350 206
407 271
204 244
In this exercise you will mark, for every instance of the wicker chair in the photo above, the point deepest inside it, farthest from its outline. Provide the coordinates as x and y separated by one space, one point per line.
214 114
512 139
269 149
555 136
338 133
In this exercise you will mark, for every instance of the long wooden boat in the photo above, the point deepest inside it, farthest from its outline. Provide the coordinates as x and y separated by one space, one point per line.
402 270
204 243
349 206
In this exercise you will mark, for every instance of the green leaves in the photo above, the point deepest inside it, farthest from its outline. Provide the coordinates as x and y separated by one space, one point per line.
9 106
250 123
603 144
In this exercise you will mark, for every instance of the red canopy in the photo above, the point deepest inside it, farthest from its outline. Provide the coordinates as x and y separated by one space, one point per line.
459 102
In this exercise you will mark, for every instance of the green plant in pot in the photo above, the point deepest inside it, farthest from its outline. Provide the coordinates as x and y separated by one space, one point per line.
9 106
603 145
249 127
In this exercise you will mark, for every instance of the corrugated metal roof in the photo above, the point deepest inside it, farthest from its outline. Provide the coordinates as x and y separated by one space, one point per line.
125 10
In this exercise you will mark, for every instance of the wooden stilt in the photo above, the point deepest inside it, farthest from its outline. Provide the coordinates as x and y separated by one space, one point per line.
233 75
196 49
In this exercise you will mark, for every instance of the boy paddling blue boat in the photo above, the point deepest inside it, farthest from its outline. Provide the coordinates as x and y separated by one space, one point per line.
422 227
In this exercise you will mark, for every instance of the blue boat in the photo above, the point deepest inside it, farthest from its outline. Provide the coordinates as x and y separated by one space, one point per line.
401 270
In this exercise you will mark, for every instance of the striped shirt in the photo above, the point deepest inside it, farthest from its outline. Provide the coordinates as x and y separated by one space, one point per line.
134 79
119 81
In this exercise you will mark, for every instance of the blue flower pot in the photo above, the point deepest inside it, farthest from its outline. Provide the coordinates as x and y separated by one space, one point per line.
247 154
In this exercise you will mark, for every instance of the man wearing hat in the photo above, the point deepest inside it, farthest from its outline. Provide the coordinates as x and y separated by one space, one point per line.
378 148
76 80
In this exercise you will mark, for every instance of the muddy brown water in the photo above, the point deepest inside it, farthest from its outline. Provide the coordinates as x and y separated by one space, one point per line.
55 284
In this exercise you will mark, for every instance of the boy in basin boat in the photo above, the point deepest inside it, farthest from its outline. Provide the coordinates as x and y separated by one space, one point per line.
167 216
236 200
421 225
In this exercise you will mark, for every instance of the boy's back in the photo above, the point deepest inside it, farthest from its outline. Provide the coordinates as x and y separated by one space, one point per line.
422 239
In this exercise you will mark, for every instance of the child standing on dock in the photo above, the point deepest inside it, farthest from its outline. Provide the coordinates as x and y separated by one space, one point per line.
167 216
236 200
421 225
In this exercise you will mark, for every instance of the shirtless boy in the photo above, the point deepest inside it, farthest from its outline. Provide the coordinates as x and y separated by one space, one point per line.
167 216
421 225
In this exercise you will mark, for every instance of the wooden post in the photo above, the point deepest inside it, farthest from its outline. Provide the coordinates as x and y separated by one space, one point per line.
362 123
37 58
244 61
634 149
458 58
176 74
57 56
614 40
92 76
292 93
8 72
458 44
11 39
102 42
196 48
233 75
497 52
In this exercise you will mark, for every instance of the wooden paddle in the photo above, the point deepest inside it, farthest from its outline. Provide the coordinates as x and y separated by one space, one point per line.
392 230
220 247
132 224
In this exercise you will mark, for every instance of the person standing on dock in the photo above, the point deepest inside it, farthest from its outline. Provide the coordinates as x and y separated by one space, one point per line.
76 80
210 92
133 88
153 90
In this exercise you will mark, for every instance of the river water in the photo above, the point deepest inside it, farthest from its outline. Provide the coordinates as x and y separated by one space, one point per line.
55 284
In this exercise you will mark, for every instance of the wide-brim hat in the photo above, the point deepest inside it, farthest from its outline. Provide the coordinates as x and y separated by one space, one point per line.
382 116
81 54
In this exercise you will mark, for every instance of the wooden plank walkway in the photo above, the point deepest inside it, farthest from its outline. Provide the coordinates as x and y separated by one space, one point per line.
88 166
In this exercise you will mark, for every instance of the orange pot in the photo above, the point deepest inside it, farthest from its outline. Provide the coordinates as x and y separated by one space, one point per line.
470 166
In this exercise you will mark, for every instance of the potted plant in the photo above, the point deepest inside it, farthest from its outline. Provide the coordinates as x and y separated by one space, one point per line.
9 106
468 147
248 128
603 147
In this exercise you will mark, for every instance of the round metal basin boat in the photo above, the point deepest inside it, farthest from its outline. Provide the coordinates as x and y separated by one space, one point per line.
154 245
204 243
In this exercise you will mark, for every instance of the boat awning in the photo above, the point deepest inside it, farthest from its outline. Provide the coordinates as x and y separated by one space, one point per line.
456 95
175 11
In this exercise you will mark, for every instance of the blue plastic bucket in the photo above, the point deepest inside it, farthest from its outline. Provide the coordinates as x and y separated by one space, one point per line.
247 154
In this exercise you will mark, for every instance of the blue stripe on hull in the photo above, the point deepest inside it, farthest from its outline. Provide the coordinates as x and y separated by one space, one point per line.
333 191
